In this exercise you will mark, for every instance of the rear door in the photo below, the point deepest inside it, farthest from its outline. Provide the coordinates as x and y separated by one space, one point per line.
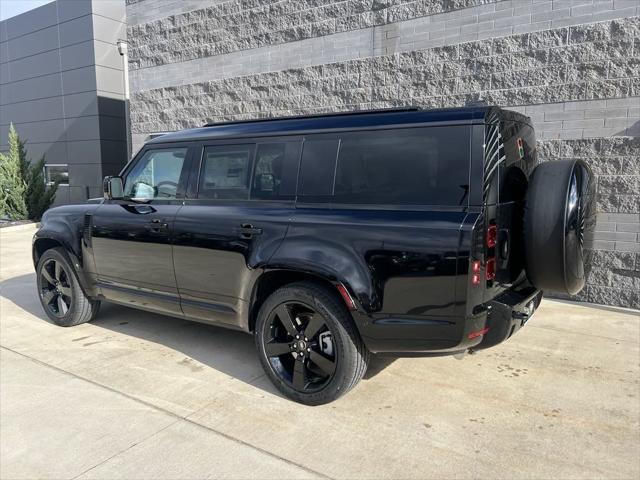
504 207
236 216
131 238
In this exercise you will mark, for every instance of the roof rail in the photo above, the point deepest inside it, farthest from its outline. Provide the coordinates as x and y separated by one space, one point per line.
316 115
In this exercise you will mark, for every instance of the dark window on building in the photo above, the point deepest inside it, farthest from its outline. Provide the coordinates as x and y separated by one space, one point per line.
418 166
317 169
225 172
56 174
276 171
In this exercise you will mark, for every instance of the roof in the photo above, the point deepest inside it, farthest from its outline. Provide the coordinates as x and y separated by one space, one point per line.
328 122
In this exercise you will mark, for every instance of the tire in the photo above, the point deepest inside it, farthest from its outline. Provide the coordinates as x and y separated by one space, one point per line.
61 296
559 213
290 363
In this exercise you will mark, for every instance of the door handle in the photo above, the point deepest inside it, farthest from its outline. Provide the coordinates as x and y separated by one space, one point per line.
156 224
139 209
247 231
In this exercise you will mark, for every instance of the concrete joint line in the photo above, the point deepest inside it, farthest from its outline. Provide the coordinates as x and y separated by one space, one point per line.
124 450
168 412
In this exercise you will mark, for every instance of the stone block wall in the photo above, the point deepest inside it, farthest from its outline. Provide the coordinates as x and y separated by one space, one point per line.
573 66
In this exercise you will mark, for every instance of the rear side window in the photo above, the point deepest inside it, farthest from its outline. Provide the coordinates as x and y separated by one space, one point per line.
276 171
225 172
417 166
317 169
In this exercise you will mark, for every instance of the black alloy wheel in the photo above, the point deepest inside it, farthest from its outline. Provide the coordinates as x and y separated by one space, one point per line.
299 346
64 301
55 288
308 343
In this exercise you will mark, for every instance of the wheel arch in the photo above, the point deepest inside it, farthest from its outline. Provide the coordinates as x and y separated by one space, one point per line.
41 245
47 239
273 279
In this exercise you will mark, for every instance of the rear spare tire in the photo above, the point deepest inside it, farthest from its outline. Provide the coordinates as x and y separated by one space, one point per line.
559 210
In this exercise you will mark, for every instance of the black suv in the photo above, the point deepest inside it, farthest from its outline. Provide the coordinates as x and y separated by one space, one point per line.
329 237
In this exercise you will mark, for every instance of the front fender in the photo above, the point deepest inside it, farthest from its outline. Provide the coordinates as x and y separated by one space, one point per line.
66 232
55 232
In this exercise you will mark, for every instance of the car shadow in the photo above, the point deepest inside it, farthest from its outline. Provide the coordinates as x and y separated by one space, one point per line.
228 351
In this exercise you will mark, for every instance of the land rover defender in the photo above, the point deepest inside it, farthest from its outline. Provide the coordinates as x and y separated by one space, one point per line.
330 237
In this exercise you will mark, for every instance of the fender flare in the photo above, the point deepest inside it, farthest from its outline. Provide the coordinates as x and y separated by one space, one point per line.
63 236
330 261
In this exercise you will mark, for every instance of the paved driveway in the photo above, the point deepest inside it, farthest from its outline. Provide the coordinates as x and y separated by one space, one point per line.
138 395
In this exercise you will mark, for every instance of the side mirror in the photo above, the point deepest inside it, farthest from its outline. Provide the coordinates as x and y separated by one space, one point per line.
112 187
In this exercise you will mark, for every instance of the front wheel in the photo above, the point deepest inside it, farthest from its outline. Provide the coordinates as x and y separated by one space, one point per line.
308 344
60 294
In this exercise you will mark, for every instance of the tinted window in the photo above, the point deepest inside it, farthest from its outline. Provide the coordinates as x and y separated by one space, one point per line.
156 174
317 169
276 171
419 166
225 172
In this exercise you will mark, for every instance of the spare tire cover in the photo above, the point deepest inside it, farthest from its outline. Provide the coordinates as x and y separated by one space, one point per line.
559 211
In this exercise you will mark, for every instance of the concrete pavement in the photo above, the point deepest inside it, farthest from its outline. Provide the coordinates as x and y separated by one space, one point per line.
138 395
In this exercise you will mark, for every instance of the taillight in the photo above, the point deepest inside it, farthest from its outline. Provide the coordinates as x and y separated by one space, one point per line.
491 241
475 273
492 236
490 269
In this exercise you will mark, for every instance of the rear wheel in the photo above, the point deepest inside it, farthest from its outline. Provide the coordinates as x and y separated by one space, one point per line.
60 294
308 345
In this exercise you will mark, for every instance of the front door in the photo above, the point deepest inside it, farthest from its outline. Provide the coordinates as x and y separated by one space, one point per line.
244 199
131 238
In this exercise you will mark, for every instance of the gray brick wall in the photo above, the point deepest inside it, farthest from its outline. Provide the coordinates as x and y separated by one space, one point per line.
613 117
240 25
175 57
572 66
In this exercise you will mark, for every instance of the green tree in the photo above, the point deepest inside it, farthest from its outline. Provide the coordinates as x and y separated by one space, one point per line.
39 196
12 183
23 191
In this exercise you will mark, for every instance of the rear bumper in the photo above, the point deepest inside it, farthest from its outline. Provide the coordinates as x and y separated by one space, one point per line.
410 336
507 313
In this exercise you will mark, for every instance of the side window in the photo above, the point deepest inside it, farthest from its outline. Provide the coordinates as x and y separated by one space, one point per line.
225 172
276 171
417 166
155 175
317 170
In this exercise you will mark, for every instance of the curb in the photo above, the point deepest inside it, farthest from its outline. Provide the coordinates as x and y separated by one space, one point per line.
24 226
